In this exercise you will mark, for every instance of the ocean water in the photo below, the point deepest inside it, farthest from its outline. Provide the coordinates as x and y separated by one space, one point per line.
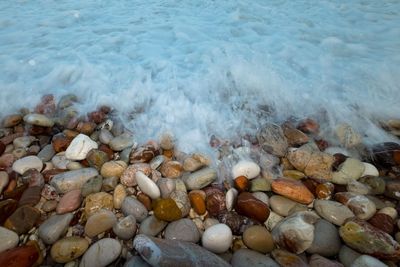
197 68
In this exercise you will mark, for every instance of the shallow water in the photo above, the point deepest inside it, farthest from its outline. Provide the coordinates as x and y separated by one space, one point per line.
203 67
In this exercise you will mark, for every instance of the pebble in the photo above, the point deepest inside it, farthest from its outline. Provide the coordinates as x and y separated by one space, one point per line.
332 211
126 228
4 179
22 220
217 238
166 252
367 239
326 241
195 162
183 230
80 147
294 137
23 141
109 184
258 238
230 198
272 140
54 227
113 168
70 180
171 169
96 158
68 249
347 136
60 161
367 261
11 120
147 185
376 184
121 142
132 206
136 261
273 220
69 202
215 201
31 196
246 168
128 177
347 255
292 189
241 183
98 201
251 207
360 205
99 222
101 253
24 256
260 184
392 212
296 232
318 260
383 221
200 178
49 205
182 201
105 136
358 187
245 257
370 170
9 239
39 120
151 226
167 210
350 169
284 206
156 162
119 196
30 162
91 186
287 259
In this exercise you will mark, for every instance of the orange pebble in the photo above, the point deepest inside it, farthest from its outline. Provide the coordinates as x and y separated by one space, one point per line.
197 201
241 183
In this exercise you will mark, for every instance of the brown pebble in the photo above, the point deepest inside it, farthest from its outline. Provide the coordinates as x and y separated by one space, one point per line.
292 189
308 126
31 196
23 256
241 183
143 154
215 202
22 220
383 221
7 207
249 206
86 127
171 169
145 200
60 142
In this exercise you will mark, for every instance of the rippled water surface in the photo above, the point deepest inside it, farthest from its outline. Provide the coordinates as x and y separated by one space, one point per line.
203 67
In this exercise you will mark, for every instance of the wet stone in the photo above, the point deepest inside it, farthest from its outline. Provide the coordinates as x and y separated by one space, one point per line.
110 183
318 260
22 220
30 162
128 177
96 158
121 142
23 256
293 190
383 222
376 184
215 203
258 238
69 202
332 211
167 210
245 257
272 139
49 205
200 178
113 169
119 196
39 120
284 206
285 258
71 180
31 196
251 207
9 239
171 169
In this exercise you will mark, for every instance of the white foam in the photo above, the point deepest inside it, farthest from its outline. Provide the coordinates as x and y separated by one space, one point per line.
206 67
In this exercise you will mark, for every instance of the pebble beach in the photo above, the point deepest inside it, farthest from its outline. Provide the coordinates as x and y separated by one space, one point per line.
79 190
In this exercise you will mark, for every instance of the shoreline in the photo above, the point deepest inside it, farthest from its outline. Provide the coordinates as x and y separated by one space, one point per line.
74 184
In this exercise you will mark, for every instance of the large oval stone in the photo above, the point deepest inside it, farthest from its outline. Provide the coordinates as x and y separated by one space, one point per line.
30 162
251 207
67 181
98 201
126 228
23 256
326 239
167 210
184 230
68 249
39 120
258 238
23 219
101 253
69 202
151 226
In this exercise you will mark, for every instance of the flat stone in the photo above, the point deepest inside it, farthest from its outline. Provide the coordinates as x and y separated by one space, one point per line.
9 239
22 220
99 222
31 196
39 120
246 257
23 141
70 180
68 249
184 230
200 178
54 227
101 253
151 226
332 211
132 206
347 256
98 201
251 207
121 142
126 228
69 202
80 147
217 238
167 252
136 261
30 162
326 241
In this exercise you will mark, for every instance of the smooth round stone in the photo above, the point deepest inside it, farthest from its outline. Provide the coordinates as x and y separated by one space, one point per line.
332 211
251 207
258 238
49 205
272 140
68 249
31 196
46 153
184 230
318 260
246 168
230 198
113 169
96 158
156 162
98 201
166 186
101 253
347 256
171 169
105 136
109 183
350 169
285 258
260 184
73 165
326 239
132 206
69 202
54 227
151 226
9 239
217 238
99 222
30 162
118 196
60 161
166 252
70 180
125 228
296 232
367 261
167 210
121 142
245 257
370 170
180 185
80 147
200 178
147 185
23 141
39 120
93 185
136 261
283 206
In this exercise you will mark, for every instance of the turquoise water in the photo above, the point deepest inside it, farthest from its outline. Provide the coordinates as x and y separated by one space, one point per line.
204 67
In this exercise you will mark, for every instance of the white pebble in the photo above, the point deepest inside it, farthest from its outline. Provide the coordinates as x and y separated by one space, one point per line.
147 185
370 170
80 147
246 168
217 238
230 198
